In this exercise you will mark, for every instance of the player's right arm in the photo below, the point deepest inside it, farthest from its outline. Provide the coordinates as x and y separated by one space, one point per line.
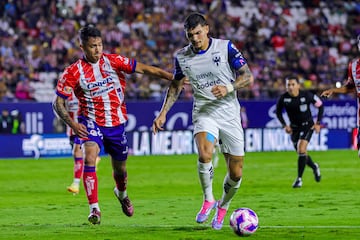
153 71
348 87
171 96
279 110
64 89
343 89
59 107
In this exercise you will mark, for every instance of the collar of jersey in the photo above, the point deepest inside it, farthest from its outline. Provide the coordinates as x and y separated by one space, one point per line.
202 51
84 58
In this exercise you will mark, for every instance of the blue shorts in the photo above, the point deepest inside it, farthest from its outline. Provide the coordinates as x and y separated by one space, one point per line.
112 139
74 139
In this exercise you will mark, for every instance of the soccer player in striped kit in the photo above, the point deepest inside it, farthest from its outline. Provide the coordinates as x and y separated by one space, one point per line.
215 69
352 85
72 106
98 81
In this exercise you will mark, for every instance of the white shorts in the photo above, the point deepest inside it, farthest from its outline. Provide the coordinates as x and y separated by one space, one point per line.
229 132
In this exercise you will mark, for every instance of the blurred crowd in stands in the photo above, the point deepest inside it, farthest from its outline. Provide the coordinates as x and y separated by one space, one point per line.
311 38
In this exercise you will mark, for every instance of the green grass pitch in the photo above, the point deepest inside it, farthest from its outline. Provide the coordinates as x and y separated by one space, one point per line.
166 194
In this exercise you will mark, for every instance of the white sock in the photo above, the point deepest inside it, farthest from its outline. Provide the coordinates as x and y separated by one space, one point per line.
76 181
206 173
120 194
230 187
94 205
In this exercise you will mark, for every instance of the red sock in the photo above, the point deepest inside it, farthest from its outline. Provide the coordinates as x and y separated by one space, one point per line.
91 184
121 181
78 167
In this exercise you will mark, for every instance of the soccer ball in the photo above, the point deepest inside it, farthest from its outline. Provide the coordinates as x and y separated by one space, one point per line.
244 221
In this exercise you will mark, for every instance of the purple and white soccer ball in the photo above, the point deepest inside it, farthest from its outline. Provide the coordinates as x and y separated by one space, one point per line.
244 221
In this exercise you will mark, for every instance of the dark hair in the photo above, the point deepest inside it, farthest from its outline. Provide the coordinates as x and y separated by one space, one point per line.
292 77
193 20
88 31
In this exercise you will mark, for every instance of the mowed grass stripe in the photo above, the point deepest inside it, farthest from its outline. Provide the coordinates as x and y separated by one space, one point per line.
166 194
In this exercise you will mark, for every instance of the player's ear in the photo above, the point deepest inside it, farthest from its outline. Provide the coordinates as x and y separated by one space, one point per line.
207 28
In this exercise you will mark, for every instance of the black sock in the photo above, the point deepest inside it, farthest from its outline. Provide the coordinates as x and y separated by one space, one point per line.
301 164
310 162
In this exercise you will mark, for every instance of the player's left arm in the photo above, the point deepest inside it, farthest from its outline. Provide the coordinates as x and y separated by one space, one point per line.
238 62
244 77
153 71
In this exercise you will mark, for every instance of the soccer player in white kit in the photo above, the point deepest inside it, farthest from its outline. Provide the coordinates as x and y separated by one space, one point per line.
215 69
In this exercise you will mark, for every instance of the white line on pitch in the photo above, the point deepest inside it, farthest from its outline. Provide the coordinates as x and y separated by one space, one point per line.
355 227
260 226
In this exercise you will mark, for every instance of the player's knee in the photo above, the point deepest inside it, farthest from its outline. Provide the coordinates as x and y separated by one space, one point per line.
90 159
205 157
235 176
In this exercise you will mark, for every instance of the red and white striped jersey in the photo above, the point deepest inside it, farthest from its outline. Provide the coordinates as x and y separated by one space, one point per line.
353 81
100 88
72 106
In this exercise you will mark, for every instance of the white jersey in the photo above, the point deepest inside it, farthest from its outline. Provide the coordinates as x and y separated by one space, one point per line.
215 66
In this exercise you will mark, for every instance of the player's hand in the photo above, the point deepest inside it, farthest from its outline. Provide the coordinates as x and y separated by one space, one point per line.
187 81
158 123
327 93
316 127
80 130
219 91
288 129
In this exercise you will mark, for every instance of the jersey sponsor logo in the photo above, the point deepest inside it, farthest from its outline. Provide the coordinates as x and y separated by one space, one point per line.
204 75
105 81
85 79
208 84
287 100
100 92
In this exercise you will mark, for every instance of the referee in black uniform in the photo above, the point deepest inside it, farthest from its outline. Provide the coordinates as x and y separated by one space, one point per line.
301 127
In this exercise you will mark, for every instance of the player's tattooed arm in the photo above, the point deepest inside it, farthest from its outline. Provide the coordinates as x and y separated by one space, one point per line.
172 94
245 77
60 109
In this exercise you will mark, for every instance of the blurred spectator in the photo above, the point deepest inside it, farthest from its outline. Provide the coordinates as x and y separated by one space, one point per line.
3 91
6 122
308 38
18 125
23 90
5 95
